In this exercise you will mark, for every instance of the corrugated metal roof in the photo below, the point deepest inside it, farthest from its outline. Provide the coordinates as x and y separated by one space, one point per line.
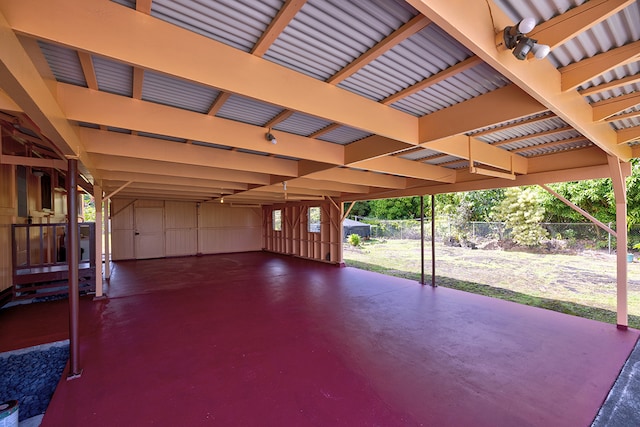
420 56
570 145
237 23
526 129
534 140
177 93
627 123
210 145
327 35
463 86
113 77
302 124
614 93
511 122
163 137
128 3
344 135
440 160
620 29
419 154
64 63
118 130
247 110
615 74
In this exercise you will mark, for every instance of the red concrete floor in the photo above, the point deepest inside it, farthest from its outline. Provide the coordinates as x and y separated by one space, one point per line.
256 339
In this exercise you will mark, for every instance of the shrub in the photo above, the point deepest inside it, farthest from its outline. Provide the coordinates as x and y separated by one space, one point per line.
354 239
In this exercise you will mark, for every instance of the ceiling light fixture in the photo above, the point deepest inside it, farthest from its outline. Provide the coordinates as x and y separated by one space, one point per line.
271 138
514 39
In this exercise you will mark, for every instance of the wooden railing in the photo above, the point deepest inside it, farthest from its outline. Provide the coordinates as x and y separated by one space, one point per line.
40 256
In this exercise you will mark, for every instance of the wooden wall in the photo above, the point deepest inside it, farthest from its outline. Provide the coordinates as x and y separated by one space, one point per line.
188 228
296 239
9 213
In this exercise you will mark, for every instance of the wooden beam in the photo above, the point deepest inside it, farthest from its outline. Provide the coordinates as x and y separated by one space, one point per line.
579 210
142 178
118 111
609 107
324 130
152 167
628 134
110 30
434 79
614 84
218 103
372 147
414 25
142 148
280 117
360 178
501 105
144 6
619 117
138 81
562 28
88 70
289 9
578 73
408 168
468 147
532 136
6 159
515 125
476 29
117 190
22 82
549 144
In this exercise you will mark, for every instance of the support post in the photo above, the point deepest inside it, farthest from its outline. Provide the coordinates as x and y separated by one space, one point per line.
422 240
97 197
107 239
73 259
620 192
433 240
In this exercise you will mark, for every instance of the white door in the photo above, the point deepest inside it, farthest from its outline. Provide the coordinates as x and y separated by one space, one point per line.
149 233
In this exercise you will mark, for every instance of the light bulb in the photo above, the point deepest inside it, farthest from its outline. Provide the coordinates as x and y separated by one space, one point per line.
540 51
526 25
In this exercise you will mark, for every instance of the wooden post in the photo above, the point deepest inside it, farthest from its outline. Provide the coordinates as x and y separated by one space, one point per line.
73 259
433 240
97 195
620 192
422 240
107 239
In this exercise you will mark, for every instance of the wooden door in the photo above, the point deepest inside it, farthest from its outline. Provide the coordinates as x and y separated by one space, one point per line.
149 232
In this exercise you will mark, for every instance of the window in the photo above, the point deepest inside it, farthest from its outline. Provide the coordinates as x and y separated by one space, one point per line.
314 219
277 220
21 182
45 191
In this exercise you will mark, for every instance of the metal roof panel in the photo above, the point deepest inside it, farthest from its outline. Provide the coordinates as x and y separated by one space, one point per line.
64 63
344 135
302 124
177 93
236 23
247 110
113 77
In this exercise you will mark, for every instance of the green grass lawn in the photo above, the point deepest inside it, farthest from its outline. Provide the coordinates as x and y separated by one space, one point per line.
582 285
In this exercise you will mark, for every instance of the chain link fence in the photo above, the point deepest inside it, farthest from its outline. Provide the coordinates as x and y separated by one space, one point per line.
583 235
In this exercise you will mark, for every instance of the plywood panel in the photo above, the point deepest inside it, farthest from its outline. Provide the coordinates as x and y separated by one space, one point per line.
180 242
149 203
122 244
221 240
180 215
219 215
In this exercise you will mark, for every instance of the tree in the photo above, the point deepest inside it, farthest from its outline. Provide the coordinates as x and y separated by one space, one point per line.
522 212
401 208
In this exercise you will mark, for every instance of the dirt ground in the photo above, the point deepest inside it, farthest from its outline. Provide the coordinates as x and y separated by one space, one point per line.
587 278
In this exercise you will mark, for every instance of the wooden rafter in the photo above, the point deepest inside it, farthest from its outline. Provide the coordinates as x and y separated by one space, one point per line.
476 29
532 136
144 6
578 73
525 122
628 134
138 81
279 23
414 25
434 79
614 84
325 130
88 70
280 117
408 168
609 107
624 116
560 29
549 144
218 103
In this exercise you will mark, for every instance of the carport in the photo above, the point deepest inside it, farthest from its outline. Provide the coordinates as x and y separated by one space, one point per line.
248 127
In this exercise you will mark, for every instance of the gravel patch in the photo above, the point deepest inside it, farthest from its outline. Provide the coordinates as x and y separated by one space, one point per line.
31 375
